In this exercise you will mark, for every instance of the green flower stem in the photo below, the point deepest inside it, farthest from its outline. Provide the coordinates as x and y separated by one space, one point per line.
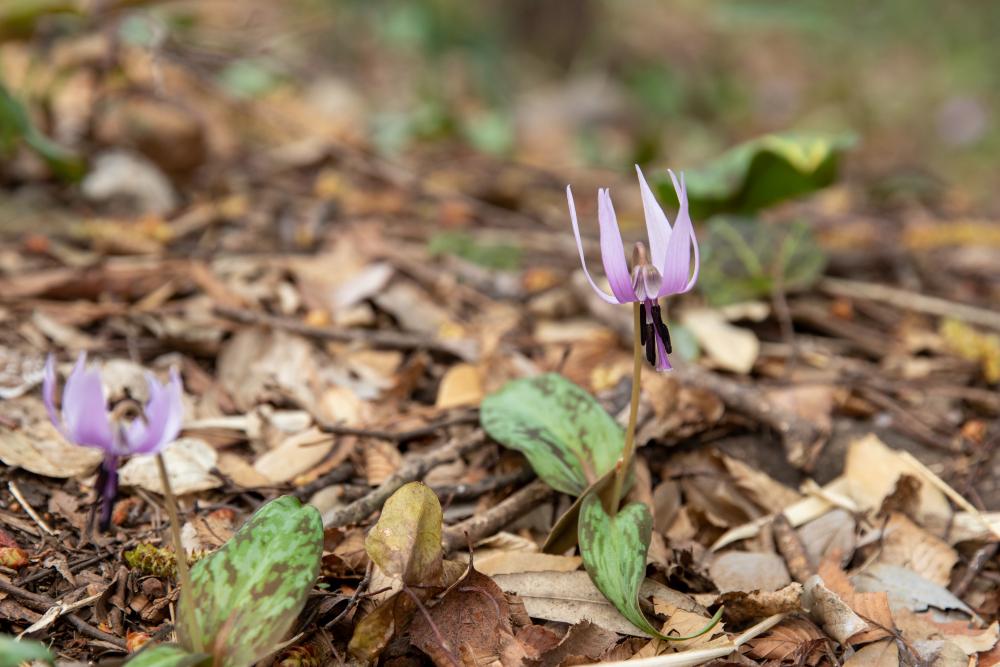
625 463
175 533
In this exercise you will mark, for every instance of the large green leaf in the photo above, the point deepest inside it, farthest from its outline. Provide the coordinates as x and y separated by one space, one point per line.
15 126
246 595
744 258
406 541
568 438
168 655
614 554
761 172
14 652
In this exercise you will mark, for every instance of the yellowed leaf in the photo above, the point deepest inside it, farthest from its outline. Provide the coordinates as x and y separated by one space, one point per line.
461 385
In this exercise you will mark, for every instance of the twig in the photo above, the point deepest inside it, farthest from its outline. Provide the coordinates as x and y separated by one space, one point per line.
412 470
915 301
339 474
976 564
398 436
476 489
355 598
800 437
498 516
16 492
42 603
391 340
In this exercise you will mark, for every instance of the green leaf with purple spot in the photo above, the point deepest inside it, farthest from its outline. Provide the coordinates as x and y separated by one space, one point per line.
614 553
247 595
569 439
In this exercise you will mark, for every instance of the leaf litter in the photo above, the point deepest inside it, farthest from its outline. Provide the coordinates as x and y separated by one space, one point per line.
334 343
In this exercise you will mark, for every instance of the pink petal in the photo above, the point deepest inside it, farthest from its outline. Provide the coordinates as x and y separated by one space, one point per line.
677 259
84 408
612 249
49 393
662 361
164 413
657 225
579 244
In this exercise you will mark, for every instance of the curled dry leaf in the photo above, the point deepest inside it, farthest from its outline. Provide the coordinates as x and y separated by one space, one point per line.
884 653
294 456
836 616
872 606
189 463
794 641
741 606
382 460
906 544
461 385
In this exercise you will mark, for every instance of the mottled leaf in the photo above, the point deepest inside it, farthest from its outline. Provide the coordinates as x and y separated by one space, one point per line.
13 652
406 541
614 554
168 655
16 125
760 172
247 594
743 258
568 438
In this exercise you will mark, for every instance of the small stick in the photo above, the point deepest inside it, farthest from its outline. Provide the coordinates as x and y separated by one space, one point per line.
915 301
355 598
976 564
397 436
390 340
16 492
498 516
175 533
792 549
476 489
414 469
42 603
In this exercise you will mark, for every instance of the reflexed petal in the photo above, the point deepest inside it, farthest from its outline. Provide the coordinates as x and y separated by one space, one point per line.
84 408
657 225
49 394
677 276
612 249
579 244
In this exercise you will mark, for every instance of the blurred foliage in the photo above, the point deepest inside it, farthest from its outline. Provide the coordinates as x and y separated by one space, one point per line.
746 258
973 345
761 172
14 652
502 257
16 126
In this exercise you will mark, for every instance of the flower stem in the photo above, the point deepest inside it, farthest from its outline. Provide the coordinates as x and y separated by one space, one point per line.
175 533
633 413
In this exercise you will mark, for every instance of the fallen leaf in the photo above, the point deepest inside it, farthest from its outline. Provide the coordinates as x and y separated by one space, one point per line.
682 623
461 385
189 462
834 532
831 612
584 640
884 653
470 625
745 571
405 543
743 606
382 460
906 544
793 641
37 446
294 456
870 605
761 488
906 589
571 597
491 562
730 347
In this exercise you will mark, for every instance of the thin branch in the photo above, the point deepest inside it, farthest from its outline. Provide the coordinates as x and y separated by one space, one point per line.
488 522
43 603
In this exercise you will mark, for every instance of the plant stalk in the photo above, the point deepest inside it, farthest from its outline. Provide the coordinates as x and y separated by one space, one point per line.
625 463
183 574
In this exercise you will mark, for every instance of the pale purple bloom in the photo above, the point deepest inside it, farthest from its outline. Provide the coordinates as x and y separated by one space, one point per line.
663 270
87 420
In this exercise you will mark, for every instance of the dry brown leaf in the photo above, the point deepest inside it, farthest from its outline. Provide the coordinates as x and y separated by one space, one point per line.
794 641
831 612
834 532
745 571
189 463
730 347
583 640
919 628
37 446
234 467
294 456
812 402
873 607
382 460
906 544
741 606
461 385
493 561
768 493
884 653
682 623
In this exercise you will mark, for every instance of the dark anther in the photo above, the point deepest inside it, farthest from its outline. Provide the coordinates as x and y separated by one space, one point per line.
643 327
661 327
651 350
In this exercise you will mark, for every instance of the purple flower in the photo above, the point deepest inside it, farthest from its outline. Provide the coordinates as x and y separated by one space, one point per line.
126 428
662 270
